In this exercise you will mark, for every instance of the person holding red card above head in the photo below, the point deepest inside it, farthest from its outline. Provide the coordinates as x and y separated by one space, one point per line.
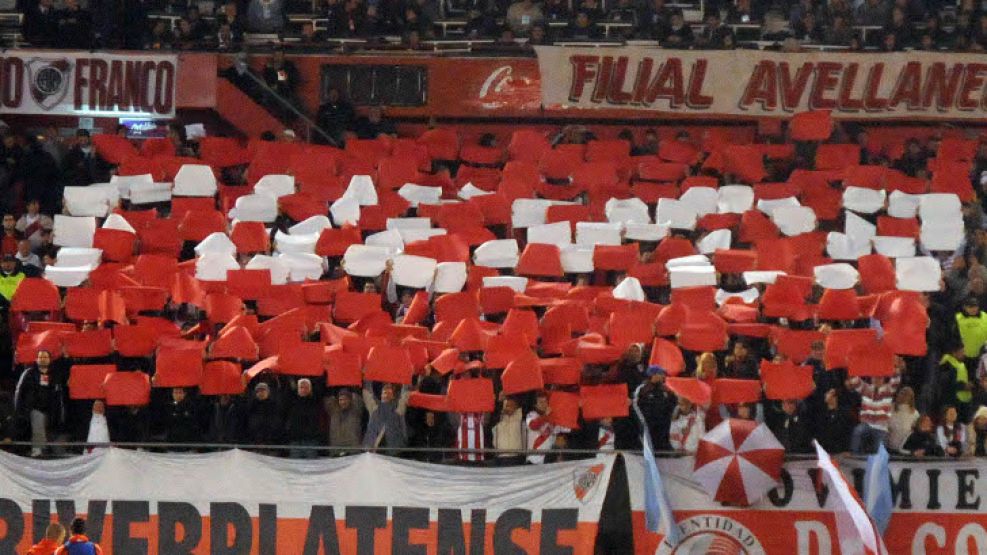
654 401
541 431
876 402
345 419
386 427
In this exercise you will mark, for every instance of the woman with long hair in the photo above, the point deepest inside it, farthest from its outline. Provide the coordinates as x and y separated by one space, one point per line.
903 418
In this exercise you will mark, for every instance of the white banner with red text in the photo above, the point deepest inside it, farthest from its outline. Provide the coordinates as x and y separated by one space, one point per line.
938 508
236 502
62 83
913 85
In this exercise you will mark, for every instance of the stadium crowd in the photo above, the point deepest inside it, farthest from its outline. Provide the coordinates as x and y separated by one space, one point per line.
678 366
901 24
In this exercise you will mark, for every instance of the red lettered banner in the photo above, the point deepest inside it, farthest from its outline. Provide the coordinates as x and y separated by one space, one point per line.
88 84
240 502
938 508
756 83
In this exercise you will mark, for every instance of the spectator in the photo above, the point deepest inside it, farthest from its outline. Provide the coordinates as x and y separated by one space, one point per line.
679 33
265 16
687 427
434 434
838 32
648 146
386 427
833 425
225 420
129 424
9 237
40 26
656 20
99 430
263 422
538 36
310 36
11 277
541 431
901 28
976 433
470 434
654 404
230 15
281 75
78 542
346 417
557 11
509 432
922 442
199 29
875 412
873 13
182 423
30 262
903 418
302 421
714 32
39 174
791 428
739 364
335 116
625 12
522 15
951 434
583 27
347 19
54 537
32 222
75 27
82 165
374 125
39 401
161 38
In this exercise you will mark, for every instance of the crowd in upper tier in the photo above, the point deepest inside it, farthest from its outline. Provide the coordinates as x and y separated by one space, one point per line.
187 24
533 291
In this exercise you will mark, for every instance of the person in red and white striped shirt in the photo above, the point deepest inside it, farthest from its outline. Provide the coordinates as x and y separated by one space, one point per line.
541 432
470 434
876 403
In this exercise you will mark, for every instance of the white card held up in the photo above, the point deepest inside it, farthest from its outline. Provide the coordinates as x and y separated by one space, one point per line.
450 277
499 253
195 180
919 273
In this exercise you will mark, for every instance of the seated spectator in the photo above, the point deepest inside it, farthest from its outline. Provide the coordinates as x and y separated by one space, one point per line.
903 418
624 12
808 29
976 433
310 36
184 39
40 27
742 11
557 10
522 15
901 28
873 13
538 36
200 29
230 15
679 33
656 20
838 32
374 125
265 16
224 37
347 19
951 434
161 37
32 222
922 442
30 262
714 32
75 27
583 28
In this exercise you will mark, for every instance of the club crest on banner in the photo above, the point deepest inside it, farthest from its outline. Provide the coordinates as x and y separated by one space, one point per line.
708 533
583 481
49 80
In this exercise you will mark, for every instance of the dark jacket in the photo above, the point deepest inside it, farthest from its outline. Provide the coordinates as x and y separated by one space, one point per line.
792 431
832 429
925 442
182 423
225 422
75 29
263 422
127 425
302 421
40 28
656 404
48 397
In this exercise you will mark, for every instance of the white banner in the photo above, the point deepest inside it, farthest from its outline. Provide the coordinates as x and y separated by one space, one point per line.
757 83
88 84
938 508
241 502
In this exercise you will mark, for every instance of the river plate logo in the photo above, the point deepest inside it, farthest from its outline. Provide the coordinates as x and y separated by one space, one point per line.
583 481
49 81
712 535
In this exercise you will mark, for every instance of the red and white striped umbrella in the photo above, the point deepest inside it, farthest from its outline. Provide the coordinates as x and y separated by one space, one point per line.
740 460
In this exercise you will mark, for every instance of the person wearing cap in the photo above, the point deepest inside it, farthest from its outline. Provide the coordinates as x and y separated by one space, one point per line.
687 427
955 386
11 277
976 433
972 323
54 536
346 419
541 431
39 401
655 403
386 427
78 543
302 421
509 431
263 424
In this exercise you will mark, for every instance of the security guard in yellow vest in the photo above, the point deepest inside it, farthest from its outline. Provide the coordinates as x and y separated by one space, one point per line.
955 385
10 278
972 323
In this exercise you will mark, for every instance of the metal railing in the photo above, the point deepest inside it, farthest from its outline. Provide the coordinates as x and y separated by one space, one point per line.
309 123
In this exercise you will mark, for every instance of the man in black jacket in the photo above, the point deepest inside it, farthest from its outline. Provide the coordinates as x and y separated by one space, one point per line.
833 424
263 424
182 422
39 401
335 117
656 403
40 23
791 427
302 421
